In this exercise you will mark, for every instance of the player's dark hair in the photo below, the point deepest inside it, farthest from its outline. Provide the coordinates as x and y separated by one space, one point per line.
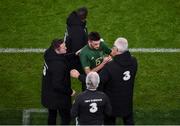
82 13
94 36
56 42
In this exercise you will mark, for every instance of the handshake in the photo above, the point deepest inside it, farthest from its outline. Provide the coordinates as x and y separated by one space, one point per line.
107 59
75 74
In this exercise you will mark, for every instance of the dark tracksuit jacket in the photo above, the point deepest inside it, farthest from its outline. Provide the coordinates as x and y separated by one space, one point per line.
77 34
56 85
76 38
90 108
117 78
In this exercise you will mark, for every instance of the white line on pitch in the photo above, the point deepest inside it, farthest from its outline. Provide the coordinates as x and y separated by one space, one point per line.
27 114
155 50
41 50
22 50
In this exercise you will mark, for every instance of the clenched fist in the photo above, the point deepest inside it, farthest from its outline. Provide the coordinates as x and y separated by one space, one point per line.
74 73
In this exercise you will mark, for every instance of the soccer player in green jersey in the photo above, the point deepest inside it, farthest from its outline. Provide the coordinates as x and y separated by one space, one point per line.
95 54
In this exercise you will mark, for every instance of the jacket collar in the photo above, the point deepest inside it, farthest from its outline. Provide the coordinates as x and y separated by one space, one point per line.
123 59
51 55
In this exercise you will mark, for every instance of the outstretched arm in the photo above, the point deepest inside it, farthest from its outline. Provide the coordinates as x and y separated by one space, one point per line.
75 74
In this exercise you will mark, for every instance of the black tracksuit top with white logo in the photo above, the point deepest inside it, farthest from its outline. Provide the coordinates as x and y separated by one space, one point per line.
90 107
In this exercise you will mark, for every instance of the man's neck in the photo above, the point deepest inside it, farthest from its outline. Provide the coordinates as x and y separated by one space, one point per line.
92 89
57 51
90 46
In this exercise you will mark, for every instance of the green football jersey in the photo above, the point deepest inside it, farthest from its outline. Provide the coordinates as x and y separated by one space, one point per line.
93 57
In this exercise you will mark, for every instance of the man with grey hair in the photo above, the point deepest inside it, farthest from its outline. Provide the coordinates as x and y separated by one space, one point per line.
92 81
121 44
91 105
117 81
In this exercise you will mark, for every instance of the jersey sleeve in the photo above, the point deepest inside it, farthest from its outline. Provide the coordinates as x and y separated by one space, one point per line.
84 60
105 48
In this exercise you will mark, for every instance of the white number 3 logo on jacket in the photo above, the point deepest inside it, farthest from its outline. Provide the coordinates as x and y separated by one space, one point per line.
127 75
93 108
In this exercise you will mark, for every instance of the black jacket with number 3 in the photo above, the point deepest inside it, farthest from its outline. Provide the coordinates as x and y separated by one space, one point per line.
56 86
117 79
90 107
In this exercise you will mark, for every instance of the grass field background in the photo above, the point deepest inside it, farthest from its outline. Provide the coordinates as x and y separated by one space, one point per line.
146 24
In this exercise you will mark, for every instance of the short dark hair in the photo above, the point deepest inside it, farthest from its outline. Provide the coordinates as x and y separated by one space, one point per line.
82 12
94 36
56 42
